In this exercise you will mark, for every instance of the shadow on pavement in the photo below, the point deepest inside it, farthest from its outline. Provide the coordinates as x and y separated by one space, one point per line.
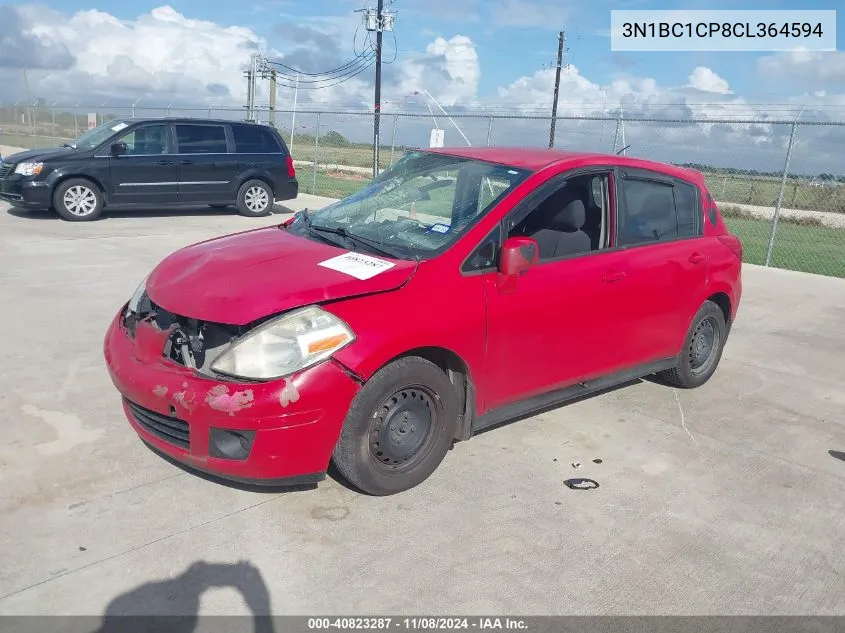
151 212
178 600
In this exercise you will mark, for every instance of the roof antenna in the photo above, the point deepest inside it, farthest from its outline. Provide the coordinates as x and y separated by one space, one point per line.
622 150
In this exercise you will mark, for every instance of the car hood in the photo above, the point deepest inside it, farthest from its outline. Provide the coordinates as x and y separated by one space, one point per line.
38 154
237 279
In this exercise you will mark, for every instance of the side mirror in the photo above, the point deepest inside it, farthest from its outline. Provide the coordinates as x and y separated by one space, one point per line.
119 149
518 255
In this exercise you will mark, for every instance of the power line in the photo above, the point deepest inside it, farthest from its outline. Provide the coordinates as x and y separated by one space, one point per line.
336 83
351 71
339 69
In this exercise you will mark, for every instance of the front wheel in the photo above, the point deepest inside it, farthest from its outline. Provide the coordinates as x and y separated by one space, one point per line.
78 200
255 198
702 350
399 428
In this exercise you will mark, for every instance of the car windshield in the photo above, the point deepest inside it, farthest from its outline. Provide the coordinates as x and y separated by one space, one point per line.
97 135
415 209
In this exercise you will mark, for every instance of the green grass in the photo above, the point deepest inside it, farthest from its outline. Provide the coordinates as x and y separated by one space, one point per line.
810 249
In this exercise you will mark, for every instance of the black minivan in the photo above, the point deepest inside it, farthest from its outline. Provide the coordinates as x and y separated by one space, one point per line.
154 162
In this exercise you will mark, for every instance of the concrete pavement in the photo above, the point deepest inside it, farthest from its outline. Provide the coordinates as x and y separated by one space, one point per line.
729 499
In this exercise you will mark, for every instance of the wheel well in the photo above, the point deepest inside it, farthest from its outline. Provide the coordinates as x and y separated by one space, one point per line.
723 301
458 372
96 182
263 179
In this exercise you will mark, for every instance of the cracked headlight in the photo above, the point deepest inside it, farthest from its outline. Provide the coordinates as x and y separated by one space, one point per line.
137 296
29 169
285 345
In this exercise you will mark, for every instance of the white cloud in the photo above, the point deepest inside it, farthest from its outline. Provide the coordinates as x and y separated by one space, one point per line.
818 70
449 70
705 80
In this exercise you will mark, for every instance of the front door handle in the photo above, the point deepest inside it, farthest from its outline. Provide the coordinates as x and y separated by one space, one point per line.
696 258
609 278
186 162
165 162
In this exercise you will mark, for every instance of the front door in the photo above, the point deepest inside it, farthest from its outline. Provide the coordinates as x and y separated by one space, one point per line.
207 170
147 172
553 327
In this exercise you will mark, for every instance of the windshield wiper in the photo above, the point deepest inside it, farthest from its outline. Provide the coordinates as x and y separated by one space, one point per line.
367 242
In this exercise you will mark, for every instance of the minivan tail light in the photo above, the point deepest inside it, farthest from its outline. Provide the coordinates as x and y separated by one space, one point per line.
291 168
733 243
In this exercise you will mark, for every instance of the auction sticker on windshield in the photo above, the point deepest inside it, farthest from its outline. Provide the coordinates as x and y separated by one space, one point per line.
357 265
120 126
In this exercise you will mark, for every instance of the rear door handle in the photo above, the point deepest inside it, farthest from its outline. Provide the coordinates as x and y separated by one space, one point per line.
186 162
696 258
165 162
609 278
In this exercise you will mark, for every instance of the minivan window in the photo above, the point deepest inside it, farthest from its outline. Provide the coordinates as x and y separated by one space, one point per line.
145 140
201 139
97 135
252 139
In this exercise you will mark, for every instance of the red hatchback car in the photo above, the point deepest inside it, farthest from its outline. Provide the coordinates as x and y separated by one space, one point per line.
459 289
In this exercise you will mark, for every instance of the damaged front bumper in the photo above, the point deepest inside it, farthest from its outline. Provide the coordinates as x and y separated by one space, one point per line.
271 433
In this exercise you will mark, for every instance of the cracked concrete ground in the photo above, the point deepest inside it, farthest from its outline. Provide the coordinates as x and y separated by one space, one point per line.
741 512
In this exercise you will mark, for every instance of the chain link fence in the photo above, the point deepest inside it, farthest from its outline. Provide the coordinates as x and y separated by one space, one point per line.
780 184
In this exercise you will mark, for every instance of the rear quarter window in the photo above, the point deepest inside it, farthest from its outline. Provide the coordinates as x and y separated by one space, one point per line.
255 140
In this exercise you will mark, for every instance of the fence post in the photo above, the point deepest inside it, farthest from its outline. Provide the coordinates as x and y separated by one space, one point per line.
53 119
76 121
316 148
489 130
393 139
780 193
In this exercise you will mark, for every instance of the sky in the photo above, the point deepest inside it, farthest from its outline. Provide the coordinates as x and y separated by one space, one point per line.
473 56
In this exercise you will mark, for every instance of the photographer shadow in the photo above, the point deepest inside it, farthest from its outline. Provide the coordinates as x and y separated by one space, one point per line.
172 605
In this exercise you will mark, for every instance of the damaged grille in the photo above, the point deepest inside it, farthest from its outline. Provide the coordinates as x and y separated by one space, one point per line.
192 343
165 427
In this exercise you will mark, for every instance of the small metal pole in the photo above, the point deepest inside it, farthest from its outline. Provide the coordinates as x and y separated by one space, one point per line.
489 130
780 193
76 121
53 118
393 140
316 148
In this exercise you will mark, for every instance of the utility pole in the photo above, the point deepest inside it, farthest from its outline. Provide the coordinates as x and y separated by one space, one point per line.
250 87
377 116
273 97
561 39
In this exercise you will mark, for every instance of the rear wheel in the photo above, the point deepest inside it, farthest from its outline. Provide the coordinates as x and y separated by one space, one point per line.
702 350
255 198
398 429
78 200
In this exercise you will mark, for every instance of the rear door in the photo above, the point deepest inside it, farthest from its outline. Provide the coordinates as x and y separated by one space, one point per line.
207 170
147 172
660 264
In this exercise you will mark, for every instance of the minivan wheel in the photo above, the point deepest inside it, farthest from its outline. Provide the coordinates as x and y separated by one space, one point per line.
398 429
702 350
255 198
78 200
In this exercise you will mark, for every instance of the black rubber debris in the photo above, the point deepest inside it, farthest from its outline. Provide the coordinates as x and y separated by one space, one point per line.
598 460
581 484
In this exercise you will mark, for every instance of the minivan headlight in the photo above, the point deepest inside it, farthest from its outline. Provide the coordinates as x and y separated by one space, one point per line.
29 169
285 345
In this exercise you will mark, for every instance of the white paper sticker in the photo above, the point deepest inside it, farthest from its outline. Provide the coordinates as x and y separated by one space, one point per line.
119 127
440 228
357 265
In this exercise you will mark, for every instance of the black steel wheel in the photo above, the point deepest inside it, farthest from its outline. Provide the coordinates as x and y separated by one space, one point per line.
398 429
702 349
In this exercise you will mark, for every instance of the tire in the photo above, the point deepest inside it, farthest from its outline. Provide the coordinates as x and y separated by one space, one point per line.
78 200
398 429
255 199
702 349
218 206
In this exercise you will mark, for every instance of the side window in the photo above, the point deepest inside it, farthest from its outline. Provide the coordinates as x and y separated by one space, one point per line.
201 139
648 214
252 139
688 210
491 188
146 140
570 221
485 256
